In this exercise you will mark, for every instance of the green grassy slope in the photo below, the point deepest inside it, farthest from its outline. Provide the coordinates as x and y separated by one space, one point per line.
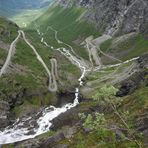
8 30
25 17
127 49
70 29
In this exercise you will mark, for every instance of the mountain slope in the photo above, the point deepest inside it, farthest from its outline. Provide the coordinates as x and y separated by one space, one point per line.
114 16
22 11
21 4
62 57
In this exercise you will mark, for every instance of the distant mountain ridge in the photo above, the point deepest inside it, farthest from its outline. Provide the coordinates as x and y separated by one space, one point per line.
23 4
9 8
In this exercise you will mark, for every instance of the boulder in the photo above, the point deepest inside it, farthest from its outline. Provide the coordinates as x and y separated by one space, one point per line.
52 140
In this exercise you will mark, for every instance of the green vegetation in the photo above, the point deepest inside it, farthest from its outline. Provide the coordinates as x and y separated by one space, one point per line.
3 54
99 124
70 29
135 103
25 17
33 103
25 56
127 49
106 45
96 124
8 30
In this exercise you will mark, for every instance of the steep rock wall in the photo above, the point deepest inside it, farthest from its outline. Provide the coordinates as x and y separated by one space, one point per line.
114 16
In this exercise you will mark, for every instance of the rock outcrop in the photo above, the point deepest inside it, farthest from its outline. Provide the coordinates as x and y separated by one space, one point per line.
116 16
137 80
4 114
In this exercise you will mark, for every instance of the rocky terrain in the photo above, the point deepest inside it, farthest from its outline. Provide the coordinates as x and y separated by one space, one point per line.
59 63
116 16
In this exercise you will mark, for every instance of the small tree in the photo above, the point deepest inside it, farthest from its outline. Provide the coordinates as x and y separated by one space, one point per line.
97 123
93 123
106 95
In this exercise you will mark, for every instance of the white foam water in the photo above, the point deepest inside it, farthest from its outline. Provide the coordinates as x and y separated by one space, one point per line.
23 129
19 132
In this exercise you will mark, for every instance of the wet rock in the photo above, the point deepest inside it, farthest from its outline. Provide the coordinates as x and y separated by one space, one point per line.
64 98
52 140
65 133
143 61
32 143
141 125
136 80
67 97
68 118
61 146
126 88
4 114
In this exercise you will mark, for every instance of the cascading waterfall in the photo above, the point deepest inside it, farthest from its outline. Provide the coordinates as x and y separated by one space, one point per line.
25 128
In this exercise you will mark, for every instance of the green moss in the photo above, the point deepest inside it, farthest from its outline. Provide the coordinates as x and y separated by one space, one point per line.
106 45
18 110
83 140
46 135
3 54
8 146
137 102
70 68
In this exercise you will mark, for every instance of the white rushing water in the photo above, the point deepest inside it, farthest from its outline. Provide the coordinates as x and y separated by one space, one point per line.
25 128
22 129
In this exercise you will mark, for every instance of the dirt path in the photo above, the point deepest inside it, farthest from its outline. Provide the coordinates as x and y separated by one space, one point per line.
52 86
81 64
52 80
59 41
93 54
53 83
93 46
10 53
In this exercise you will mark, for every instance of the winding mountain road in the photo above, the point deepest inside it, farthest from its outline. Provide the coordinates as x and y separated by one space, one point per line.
52 86
22 129
53 83
52 80
92 50
74 59
10 53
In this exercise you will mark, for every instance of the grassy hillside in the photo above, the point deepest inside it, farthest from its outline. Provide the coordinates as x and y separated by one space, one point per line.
71 29
126 49
8 30
23 12
25 85
21 4
26 80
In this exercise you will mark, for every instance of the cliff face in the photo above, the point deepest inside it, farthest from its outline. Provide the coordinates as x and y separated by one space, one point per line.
114 16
